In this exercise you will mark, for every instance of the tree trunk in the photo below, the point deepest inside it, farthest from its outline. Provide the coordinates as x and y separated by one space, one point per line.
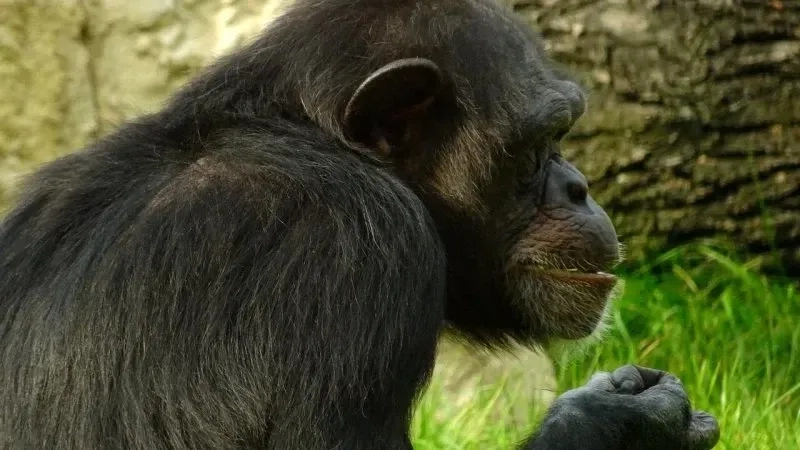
694 117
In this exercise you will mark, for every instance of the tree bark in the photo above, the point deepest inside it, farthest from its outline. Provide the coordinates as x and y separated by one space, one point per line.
694 118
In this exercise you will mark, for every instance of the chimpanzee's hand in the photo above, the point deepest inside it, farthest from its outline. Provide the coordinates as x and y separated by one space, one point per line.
632 408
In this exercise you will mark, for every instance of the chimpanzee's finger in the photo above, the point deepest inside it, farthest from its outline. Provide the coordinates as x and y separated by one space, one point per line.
628 380
666 404
651 377
704 431
601 381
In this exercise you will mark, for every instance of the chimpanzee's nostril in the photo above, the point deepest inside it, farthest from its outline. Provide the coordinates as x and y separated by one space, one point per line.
577 191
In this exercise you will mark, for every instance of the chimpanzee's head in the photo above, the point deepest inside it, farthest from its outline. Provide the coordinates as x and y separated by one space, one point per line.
458 97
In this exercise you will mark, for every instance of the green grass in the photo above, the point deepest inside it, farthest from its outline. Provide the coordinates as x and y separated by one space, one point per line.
731 334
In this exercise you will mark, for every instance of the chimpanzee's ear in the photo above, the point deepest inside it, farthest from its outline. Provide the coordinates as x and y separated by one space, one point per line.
385 109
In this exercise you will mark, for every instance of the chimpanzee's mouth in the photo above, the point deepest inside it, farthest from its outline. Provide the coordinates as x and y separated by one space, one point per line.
598 278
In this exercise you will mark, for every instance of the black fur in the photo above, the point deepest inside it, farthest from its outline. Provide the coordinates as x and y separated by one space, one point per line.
137 298
244 268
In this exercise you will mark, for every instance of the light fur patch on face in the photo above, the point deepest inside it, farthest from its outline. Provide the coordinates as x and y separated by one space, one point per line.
564 351
558 309
466 164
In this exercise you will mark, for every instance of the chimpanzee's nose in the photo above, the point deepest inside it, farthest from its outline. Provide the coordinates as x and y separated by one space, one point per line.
566 186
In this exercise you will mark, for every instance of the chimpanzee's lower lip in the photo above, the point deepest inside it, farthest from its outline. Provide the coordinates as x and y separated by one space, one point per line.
593 278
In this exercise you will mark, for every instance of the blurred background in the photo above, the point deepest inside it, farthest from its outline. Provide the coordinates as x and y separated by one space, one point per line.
691 143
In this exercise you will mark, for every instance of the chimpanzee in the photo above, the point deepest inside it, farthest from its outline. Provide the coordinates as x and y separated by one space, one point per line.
269 259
